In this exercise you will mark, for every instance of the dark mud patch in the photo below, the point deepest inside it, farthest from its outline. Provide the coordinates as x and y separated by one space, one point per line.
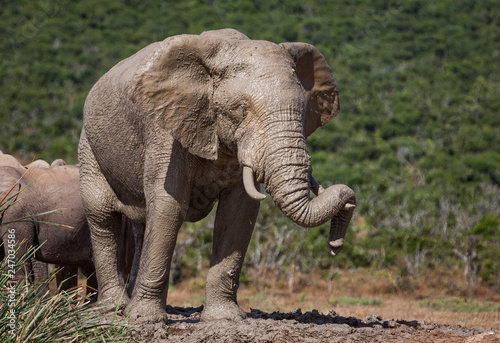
185 326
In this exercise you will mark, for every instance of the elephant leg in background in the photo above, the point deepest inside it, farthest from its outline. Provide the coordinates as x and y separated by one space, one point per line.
234 223
40 275
66 277
129 248
89 272
138 232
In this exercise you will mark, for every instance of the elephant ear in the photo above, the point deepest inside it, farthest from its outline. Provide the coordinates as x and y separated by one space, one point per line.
316 78
173 85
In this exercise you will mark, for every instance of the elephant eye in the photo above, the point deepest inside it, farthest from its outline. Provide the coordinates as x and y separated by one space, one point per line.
243 111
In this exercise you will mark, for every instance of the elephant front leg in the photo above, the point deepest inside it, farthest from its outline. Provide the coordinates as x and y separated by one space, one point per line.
234 223
149 295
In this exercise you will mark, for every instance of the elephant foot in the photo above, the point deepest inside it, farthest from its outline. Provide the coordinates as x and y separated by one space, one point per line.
228 311
146 310
113 301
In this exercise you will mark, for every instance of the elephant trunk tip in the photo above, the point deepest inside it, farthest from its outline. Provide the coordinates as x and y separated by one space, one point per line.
336 246
340 222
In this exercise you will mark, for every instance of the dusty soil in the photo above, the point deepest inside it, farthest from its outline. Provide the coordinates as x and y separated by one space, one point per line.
274 314
298 326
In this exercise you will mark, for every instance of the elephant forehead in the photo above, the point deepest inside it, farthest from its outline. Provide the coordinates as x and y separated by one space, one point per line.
250 69
247 56
255 54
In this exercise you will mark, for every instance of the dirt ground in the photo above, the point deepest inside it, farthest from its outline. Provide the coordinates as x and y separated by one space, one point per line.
306 309
298 326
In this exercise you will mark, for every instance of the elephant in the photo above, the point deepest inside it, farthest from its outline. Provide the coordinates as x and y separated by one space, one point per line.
44 164
37 164
9 160
67 242
40 269
58 162
196 119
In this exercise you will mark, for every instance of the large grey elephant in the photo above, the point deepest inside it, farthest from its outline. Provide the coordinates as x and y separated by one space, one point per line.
200 119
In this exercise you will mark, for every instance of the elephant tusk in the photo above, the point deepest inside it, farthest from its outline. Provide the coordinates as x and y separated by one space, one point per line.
316 187
349 206
249 183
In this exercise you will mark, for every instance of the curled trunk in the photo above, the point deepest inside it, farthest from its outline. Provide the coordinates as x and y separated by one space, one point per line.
288 179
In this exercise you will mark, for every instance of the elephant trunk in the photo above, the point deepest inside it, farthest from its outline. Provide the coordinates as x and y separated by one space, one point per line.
287 178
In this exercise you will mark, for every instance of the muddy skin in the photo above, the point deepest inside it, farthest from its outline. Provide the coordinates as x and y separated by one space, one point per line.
171 130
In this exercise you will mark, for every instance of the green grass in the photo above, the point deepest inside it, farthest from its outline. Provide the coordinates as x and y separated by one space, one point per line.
460 305
356 301
65 317
257 297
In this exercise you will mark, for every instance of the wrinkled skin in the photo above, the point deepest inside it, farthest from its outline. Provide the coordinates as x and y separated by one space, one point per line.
68 243
191 115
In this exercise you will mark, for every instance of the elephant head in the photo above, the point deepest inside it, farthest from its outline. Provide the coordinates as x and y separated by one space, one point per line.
232 97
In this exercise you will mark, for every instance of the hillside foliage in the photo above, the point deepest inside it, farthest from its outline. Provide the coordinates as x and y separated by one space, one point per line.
418 136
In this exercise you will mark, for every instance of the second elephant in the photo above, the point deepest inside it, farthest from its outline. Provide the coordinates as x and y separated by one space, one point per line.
62 237
49 189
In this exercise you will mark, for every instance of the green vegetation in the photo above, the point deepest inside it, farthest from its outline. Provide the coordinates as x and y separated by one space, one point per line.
459 305
356 301
65 317
418 137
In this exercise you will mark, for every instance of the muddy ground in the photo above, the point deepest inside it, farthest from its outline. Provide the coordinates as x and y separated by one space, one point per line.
313 326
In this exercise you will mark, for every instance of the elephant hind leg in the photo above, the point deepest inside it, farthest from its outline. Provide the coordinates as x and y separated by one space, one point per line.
40 276
91 288
104 221
67 277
